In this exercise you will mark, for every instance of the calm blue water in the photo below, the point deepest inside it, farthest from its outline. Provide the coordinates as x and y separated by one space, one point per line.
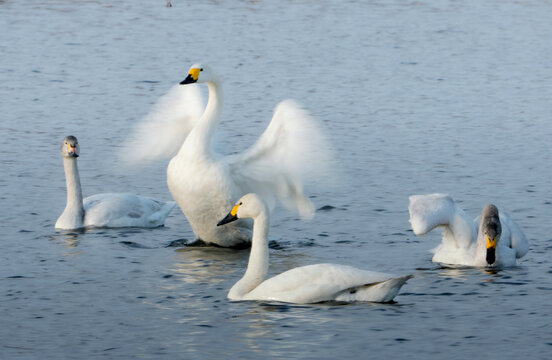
417 97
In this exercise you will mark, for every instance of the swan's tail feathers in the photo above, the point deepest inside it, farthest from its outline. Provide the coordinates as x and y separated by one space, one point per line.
429 211
168 206
292 151
384 291
160 134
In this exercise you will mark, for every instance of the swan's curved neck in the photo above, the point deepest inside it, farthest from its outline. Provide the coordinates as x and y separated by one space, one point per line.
257 268
73 214
462 229
198 142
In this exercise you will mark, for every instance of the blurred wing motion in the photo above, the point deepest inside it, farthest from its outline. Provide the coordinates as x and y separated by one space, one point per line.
160 134
292 150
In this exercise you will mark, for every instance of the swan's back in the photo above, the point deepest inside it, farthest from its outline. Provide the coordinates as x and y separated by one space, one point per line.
124 210
321 282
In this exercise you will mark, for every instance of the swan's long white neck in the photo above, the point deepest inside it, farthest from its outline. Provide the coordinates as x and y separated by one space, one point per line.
257 268
461 228
73 215
198 142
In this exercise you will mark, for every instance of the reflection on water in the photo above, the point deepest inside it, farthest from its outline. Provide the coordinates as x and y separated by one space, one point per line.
69 240
199 264
207 264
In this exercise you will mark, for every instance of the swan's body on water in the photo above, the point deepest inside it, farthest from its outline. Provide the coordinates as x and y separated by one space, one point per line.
306 284
104 210
204 184
491 239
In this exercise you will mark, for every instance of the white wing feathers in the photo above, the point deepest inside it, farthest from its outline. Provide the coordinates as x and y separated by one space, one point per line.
291 150
161 133
314 283
517 238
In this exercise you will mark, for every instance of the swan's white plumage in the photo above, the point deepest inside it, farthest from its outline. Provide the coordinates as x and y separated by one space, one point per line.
104 210
291 151
327 282
306 284
462 243
124 210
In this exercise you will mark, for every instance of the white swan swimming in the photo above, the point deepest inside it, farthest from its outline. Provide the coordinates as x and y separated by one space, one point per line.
306 284
204 184
104 210
492 239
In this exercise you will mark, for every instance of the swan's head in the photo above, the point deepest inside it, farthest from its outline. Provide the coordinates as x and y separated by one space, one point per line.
198 73
249 206
70 147
491 229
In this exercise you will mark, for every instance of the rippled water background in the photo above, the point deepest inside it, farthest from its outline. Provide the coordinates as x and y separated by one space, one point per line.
418 97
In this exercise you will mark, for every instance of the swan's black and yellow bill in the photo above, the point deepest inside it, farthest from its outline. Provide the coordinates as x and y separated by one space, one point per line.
232 216
72 150
192 77
491 250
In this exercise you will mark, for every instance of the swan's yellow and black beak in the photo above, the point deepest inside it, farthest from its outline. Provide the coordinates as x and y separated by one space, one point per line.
232 216
72 150
491 250
192 77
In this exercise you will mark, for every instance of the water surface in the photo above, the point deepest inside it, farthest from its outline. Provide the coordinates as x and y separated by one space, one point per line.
417 97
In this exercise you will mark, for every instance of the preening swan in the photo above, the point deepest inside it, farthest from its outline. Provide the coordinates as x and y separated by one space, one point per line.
306 284
204 184
104 210
492 239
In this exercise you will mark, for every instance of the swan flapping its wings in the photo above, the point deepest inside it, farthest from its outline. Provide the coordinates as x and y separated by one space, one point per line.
160 134
290 152
491 239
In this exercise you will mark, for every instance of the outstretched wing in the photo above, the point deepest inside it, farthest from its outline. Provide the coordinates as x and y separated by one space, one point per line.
160 134
291 151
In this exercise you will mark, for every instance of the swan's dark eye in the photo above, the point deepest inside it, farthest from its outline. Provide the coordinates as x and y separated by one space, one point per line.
201 69
240 203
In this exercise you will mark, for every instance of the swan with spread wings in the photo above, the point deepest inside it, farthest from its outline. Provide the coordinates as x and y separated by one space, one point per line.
291 151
